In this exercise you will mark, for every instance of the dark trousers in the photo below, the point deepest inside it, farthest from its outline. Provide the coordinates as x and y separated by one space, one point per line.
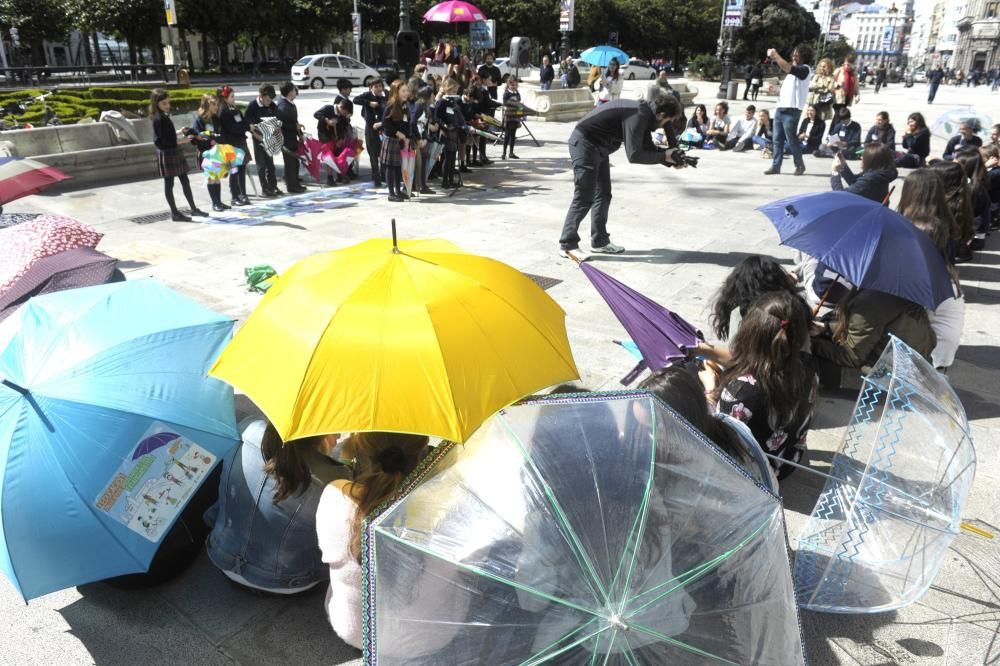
746 91
786 123
265 168
373 144
932 93
591 192
291 162
509 136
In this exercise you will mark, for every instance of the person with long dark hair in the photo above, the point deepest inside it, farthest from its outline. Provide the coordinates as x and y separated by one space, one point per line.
748 281
169 157
975 171
882 131
916 143
959 197
234 133
382 461
264 523
769 383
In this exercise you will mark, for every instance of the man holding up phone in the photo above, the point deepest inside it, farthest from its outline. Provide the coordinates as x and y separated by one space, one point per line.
791 100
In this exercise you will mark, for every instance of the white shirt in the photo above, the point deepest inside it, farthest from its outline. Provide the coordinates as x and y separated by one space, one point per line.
794 90
334 522
743 128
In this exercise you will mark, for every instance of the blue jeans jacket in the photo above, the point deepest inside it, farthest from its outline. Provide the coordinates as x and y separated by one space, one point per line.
271 546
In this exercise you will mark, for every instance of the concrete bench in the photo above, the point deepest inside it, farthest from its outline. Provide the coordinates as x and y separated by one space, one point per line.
90 152
557 104
687 92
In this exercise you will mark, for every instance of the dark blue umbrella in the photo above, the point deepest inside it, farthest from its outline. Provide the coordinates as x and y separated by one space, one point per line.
872 246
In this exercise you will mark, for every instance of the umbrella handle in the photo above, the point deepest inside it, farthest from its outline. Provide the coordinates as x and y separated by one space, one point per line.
395 247
885 202
822 299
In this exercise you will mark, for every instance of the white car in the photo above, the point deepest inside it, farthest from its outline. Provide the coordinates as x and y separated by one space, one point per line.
638 69
528 72
318 71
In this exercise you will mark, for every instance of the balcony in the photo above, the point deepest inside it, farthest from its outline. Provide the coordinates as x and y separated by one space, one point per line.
964 23
986 29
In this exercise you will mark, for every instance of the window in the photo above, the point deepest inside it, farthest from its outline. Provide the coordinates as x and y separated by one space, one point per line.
350 63
991 9
330 62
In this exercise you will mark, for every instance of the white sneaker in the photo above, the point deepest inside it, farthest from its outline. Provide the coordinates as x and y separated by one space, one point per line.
610 248
579 254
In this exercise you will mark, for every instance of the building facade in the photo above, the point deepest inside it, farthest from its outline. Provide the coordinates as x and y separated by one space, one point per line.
978 37
877 37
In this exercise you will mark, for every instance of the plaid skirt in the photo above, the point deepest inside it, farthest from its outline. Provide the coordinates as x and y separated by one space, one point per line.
390 153
171 162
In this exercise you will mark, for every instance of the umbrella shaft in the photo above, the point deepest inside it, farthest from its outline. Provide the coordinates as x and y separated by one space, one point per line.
17 387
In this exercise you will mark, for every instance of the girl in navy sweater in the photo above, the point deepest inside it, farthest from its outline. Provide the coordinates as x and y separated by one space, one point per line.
395 138
169 157
206 133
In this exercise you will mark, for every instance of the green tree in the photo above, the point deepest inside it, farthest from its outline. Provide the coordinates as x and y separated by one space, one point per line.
220 20
134 21
836 50
36 21
779 24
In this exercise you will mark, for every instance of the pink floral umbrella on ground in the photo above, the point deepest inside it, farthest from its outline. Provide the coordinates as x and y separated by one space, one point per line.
454 11
23 245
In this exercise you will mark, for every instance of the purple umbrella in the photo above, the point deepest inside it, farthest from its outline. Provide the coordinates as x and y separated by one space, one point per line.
70 269
661 336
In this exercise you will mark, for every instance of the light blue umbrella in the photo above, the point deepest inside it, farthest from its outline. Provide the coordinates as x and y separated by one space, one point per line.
602 55
108 425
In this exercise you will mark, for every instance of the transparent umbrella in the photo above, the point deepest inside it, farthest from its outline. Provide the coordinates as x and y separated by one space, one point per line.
590 528
893 500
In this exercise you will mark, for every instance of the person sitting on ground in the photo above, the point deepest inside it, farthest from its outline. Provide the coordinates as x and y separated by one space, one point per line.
763 138
845 136
882 132
966 138
916 142
959 197
811 130
995 135
696 132
748 281
741 132
382 461
878 169
991 161
680 388
863 323
922 201
264 524
975 170
769 383
718 127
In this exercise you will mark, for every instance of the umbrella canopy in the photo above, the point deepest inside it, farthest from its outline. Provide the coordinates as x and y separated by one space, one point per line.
946 125
72 269
220 159
454 11
91 377
893 502
660 335
422 338
20 177
603 54
550 537
872 246
23 245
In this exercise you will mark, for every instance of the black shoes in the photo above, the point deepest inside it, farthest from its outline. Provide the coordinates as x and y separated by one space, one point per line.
197 212
514 157
178 216
799 171
771 172
427 190
219 208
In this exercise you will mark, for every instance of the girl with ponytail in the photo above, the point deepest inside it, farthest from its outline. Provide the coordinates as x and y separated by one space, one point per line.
382 461
769 383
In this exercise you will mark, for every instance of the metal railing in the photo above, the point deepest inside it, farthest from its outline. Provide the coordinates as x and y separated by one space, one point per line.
24 77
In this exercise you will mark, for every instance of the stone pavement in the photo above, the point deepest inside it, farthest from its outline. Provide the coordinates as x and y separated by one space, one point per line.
683 230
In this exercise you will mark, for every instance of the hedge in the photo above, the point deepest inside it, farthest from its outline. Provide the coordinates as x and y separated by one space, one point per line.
74 104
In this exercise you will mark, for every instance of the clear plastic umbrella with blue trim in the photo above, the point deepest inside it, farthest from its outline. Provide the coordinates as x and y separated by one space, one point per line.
108 426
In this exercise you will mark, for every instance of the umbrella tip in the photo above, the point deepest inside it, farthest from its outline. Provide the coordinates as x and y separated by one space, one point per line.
395 247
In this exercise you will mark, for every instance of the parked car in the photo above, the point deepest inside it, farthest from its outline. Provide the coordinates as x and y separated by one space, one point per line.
638 69
389 71
920 76
321 70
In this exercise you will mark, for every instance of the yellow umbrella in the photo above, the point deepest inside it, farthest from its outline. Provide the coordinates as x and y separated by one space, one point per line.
422 338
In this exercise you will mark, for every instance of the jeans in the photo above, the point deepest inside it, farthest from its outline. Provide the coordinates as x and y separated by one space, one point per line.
545 85
786 123
591 192
932 93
